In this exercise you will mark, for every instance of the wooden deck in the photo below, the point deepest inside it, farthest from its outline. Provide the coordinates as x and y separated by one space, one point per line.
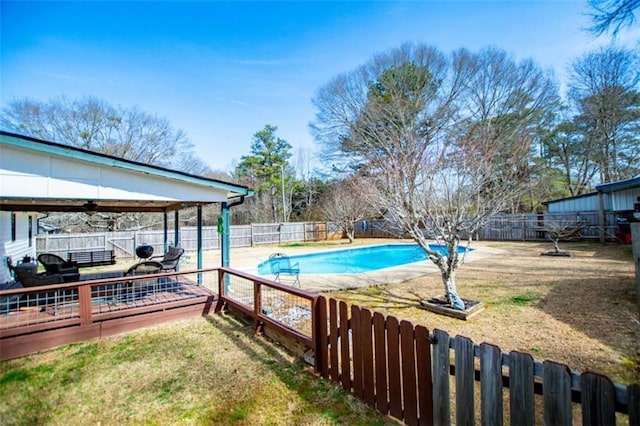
39 318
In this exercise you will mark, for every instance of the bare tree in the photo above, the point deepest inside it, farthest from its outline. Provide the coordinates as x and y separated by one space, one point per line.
604 91
574 156
93 124
557 229
347 203
445 140
612 15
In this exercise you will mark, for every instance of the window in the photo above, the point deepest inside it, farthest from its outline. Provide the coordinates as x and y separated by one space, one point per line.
30 230
13 226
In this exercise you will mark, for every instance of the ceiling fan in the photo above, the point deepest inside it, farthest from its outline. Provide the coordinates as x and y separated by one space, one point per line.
90 207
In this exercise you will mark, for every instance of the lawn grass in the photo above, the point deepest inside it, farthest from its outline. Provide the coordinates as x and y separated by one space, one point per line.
209 370
580 311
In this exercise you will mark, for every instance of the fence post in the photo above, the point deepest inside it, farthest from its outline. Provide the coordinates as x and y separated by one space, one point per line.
491 384
441 363
257 306
393 360
368 370
425 380
345 346
633 392
334 372
319 336
222 290
521 396
557 394
409 382
84 302
465 378
358 389
380 357
598 400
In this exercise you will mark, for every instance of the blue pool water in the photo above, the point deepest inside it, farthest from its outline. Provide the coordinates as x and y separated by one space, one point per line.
360 259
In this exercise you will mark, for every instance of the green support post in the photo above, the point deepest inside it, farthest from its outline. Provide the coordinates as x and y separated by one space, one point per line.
199 242
226 241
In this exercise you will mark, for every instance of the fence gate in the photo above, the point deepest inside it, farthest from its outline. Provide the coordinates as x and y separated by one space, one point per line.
384 362
315 231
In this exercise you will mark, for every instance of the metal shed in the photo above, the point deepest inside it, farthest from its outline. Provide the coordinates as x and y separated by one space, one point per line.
614 201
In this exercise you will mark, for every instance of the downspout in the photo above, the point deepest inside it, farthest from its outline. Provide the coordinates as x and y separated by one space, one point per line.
176 229
38 221
35 251
166 231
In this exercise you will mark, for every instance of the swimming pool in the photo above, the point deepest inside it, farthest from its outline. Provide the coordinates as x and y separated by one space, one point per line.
359 259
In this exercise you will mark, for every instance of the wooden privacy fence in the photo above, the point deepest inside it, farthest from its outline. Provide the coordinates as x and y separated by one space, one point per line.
404 371
513 227
124 243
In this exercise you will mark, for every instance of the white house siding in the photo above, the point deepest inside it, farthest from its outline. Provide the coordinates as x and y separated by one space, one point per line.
17 249
31 174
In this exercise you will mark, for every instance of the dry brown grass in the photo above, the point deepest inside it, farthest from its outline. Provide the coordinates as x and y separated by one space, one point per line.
578 310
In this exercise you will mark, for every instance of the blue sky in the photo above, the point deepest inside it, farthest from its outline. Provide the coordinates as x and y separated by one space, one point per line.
221 71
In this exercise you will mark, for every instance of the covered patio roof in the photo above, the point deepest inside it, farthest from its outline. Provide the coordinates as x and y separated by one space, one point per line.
43 176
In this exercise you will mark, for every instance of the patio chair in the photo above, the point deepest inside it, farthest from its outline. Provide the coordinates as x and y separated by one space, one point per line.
170 259
144 268
54 264
281 267
29 279
34 280
134 288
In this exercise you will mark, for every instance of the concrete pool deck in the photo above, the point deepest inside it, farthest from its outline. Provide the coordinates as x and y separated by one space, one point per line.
246 259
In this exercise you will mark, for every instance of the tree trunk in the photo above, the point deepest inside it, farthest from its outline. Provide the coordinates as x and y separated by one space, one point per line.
351 232
448 272
451 292
447 266
274 208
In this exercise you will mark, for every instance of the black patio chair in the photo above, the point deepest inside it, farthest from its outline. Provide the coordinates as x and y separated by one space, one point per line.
34 280
29 279
281 266
54 264
131 290
170 259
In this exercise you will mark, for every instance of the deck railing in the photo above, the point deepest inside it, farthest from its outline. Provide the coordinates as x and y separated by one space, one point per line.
290 311
38 318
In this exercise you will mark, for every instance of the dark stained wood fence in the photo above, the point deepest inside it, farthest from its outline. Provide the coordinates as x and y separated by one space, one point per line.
404 371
